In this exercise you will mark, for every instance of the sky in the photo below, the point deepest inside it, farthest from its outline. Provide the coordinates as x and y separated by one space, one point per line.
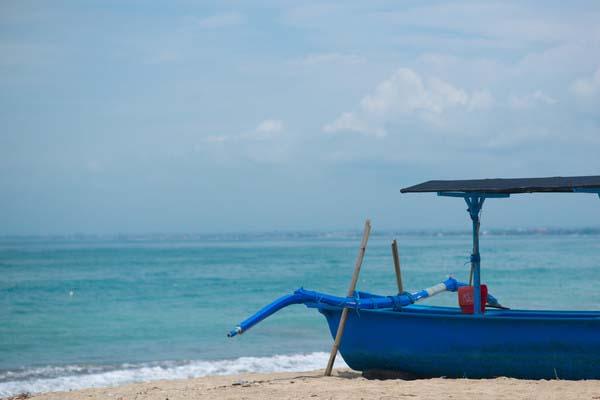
185 116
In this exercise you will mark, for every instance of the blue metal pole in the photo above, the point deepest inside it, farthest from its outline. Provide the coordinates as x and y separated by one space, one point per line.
474 204
361 301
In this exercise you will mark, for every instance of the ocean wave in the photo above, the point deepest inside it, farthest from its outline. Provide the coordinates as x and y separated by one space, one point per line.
74 377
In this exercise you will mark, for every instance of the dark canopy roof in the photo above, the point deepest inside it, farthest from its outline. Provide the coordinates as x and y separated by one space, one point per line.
520 185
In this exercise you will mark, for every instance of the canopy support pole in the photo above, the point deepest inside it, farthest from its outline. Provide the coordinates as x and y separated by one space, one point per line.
474 204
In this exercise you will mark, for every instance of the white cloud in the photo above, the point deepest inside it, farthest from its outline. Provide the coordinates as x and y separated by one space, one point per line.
216 139
531 100
266 143
266 130
481 100
503 23
349 122
586 87
221 21
406 94
331 58
270 126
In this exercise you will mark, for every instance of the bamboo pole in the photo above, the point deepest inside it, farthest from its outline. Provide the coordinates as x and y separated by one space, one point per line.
351 289
397 265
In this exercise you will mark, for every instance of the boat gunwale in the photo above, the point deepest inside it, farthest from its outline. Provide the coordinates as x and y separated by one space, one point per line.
438 312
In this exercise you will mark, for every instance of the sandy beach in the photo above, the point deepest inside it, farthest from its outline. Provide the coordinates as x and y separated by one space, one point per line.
345 384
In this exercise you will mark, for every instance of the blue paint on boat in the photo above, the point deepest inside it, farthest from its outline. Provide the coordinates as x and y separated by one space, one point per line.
391 333
428 341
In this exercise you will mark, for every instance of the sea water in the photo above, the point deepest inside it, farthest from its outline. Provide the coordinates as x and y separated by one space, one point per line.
84 311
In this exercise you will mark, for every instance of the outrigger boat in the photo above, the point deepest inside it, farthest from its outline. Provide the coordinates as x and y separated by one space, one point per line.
391 333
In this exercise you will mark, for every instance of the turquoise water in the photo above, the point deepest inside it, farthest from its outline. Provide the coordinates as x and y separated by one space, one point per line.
85 311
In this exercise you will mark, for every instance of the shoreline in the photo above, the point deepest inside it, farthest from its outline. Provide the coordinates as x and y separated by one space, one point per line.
344 384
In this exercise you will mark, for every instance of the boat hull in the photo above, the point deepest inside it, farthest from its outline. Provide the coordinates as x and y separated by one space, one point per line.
441 341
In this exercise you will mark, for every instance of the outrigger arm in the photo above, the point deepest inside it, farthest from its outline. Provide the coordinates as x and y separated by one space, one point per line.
361 301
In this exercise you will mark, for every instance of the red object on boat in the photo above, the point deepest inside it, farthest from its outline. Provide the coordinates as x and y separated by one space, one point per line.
465 298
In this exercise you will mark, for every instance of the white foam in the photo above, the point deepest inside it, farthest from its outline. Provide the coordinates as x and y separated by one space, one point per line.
74 377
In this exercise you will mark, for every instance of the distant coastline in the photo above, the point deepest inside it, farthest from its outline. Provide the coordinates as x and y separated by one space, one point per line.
299 234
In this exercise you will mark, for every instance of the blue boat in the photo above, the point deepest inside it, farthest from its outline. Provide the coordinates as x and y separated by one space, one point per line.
393 334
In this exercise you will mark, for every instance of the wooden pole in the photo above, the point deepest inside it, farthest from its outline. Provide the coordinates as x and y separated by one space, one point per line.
351 289
397 265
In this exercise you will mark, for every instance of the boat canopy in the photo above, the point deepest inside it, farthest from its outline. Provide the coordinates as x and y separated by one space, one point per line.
508 186
475 191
